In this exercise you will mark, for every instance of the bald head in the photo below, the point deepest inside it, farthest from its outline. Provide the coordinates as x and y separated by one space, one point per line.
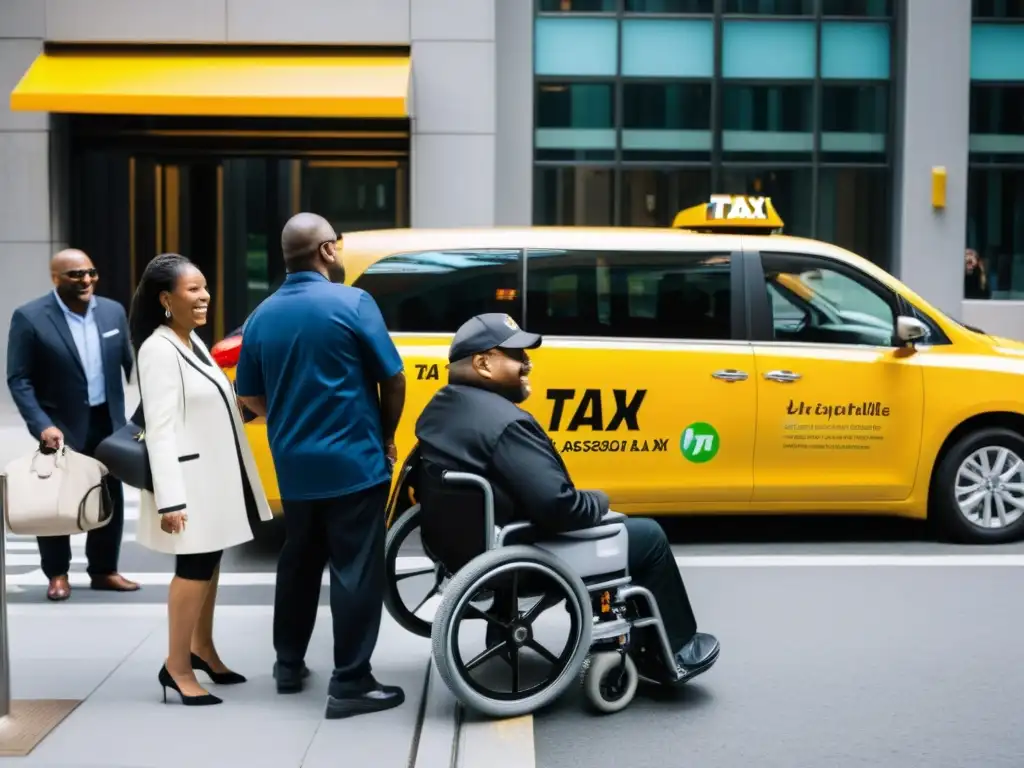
302 235
69 259
74 277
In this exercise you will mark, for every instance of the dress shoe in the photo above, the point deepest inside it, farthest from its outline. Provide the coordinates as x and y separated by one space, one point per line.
113 582
220 678
59 589
698 655
199 700
361 698
290 679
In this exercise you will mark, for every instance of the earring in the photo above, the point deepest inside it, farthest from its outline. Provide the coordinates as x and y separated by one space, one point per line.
167 314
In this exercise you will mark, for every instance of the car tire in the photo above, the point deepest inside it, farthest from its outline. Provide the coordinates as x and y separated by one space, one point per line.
945 511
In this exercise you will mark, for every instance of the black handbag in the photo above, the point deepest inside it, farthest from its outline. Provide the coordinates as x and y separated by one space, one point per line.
124 453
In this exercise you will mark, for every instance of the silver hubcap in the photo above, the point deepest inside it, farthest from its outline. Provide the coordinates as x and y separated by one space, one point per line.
990 487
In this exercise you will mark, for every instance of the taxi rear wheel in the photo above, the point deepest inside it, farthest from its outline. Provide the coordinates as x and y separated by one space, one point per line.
978 488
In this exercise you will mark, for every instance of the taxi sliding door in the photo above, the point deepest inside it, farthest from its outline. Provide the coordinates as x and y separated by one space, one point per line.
839 404
644 381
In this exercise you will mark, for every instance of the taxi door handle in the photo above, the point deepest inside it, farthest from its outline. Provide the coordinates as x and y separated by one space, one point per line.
730 374
785 377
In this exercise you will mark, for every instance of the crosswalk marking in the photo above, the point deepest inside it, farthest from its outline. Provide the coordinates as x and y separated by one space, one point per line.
23 551
227 579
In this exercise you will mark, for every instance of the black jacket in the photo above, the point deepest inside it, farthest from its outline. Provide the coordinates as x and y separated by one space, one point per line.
468 429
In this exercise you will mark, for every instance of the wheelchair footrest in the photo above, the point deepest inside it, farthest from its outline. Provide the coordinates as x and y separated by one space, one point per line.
606 630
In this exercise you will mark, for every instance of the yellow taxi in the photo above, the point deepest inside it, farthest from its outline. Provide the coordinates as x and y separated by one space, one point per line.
717 367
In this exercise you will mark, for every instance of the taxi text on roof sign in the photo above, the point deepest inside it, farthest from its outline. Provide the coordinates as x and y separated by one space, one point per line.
753 213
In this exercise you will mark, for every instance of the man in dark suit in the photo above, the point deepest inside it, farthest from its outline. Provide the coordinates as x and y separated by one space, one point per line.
65 354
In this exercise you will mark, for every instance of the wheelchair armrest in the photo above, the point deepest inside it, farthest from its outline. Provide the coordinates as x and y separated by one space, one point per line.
511 528
596 533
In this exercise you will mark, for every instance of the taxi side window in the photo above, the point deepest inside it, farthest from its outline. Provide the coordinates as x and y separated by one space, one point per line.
814 301
437 291
629 294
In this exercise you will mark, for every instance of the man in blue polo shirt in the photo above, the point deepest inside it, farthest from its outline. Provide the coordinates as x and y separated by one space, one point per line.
318 363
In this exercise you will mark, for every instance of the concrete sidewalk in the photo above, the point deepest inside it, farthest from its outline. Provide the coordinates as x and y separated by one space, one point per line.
103 660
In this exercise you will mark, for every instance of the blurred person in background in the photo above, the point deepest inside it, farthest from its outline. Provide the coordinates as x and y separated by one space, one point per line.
976 285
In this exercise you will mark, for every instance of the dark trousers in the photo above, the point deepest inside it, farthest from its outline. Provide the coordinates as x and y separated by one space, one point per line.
652 565
346 533
102 546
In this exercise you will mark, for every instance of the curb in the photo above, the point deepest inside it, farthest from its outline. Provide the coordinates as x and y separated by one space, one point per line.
435 743
448 736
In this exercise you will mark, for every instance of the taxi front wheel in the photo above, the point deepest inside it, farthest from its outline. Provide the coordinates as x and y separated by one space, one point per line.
978 488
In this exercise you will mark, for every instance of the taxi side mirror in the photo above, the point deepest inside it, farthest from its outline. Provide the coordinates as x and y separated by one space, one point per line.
910 329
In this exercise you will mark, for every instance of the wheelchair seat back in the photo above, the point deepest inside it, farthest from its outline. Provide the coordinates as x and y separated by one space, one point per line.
451 515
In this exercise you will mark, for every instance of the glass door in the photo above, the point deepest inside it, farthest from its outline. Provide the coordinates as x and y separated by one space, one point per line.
226 215
182 211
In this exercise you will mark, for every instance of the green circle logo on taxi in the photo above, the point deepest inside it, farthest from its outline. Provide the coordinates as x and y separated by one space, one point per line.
699 442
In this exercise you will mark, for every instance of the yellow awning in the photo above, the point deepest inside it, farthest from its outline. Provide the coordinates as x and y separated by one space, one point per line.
215 83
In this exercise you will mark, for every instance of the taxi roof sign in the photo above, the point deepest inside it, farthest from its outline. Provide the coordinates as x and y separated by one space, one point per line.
750 213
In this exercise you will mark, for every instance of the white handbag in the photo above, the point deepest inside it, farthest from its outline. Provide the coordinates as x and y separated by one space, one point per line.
55 494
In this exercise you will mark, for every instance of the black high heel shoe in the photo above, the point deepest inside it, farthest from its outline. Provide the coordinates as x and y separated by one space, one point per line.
189 701
220 678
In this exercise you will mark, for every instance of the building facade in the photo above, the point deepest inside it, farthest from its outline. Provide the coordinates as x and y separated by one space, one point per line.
116 139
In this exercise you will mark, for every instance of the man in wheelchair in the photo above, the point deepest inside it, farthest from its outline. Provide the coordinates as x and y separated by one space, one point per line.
474 425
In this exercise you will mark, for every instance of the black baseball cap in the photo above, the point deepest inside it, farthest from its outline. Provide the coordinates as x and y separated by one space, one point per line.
487 331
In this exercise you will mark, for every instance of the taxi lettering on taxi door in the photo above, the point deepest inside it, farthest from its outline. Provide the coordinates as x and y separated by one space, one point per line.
614 411
425 371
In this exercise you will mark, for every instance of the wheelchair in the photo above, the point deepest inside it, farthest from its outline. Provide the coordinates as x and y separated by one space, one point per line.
616 635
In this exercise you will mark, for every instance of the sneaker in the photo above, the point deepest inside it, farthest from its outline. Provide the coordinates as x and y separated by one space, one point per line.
290 679
362 698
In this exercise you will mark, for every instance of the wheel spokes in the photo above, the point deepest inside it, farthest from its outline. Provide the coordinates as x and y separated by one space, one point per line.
480 658
425 599
514 663
479 613
410 574
541 651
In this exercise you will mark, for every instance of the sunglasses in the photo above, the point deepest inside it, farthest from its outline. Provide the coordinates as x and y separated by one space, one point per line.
79 274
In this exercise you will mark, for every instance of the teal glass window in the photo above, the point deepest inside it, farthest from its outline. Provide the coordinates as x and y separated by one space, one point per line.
770 7
995 210
854 123
855 50
769 50
997 123
569 46
767 122
577 6
996 52
998 9
668 48
575 121
875 8
666 121
670 6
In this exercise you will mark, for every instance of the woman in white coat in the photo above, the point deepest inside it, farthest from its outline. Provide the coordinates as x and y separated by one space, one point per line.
207 492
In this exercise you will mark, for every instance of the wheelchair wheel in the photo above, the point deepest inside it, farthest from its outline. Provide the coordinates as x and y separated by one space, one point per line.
608 684
511 632
432 576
